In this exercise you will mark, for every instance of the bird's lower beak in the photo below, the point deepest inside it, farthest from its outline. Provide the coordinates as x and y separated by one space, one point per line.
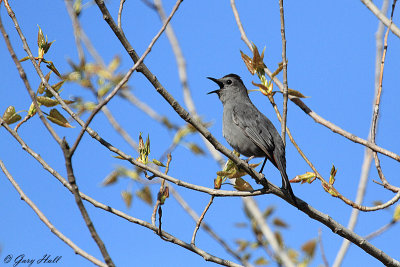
217 82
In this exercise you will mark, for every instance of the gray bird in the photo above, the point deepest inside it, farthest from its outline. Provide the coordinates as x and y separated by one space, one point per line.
247 130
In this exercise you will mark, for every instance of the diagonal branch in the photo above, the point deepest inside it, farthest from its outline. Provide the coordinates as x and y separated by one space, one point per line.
78 200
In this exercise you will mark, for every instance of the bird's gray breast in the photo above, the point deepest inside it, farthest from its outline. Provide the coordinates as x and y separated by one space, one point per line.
236 136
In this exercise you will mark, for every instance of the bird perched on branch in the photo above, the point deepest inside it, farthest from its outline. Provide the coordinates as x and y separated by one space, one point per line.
247 130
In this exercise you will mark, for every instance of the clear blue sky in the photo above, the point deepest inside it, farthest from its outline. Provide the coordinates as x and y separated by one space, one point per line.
331 53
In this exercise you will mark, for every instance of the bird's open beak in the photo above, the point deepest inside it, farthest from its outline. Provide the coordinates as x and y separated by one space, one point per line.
220 84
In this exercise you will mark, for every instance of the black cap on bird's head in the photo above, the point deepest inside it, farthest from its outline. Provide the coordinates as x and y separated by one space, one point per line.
224 80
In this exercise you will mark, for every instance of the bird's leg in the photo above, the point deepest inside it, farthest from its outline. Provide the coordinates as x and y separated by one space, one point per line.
262 167
248 159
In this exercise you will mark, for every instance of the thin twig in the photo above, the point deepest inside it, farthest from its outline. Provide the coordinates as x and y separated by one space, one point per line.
46 221
199 221
378 98
381 230
77 31
284 65
240 26
78 200
121 6
162 188
321 248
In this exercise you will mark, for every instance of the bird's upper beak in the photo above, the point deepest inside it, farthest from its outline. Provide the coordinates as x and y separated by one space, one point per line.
217 82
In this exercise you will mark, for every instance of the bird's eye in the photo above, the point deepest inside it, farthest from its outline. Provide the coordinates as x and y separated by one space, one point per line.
229 81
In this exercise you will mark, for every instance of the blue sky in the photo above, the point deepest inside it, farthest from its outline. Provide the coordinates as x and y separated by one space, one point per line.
331 53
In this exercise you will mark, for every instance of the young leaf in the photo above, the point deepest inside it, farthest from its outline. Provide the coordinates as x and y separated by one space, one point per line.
57 118
127 197
242 185
111 178
396 214
10 116
158 163
47 101
145 195
309 248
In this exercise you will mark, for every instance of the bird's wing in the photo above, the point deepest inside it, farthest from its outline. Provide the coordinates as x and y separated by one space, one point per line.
254 126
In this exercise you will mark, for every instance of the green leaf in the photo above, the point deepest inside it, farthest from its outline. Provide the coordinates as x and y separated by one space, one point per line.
51 66
111 178
145 195
127 197
309 247
57 118
396 214
280 223
158 163
242 185
10 116
47 101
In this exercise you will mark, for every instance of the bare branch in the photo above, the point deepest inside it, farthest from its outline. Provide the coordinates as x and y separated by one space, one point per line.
284 65
381 230
240 26
200 220
78 200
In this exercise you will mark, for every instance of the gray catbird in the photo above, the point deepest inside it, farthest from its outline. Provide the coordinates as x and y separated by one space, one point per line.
247 130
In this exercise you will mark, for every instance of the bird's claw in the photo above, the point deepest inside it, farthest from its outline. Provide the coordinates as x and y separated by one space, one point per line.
248 159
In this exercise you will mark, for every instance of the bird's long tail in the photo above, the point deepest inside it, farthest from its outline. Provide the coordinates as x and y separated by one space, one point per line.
286 184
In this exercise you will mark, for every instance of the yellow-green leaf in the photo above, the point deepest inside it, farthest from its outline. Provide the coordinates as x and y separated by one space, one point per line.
242 185
145 195
195 149
309 247
57 118
396 214
47 101
296 93
32 109
332 175
51 66
24 59
10 116
261 261
114 64
280 223
158 163
111 178
127 197
41 86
